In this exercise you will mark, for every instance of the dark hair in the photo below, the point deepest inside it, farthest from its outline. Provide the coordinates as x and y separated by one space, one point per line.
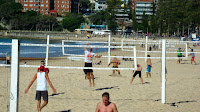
106 94
90 49
192 50
148 55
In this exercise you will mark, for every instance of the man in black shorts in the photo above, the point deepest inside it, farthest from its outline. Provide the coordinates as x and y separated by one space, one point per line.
88 63
138 71
41 90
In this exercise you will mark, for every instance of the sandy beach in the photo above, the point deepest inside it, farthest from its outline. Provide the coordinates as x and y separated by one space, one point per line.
75 95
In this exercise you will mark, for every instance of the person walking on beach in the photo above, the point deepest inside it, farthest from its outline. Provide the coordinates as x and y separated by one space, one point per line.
149 65
179 55
88 63
115 63
106 105
45 69
193 56
41 90
138 71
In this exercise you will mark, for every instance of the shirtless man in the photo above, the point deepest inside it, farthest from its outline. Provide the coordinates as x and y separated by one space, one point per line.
138 71
149 65
115 63
106 105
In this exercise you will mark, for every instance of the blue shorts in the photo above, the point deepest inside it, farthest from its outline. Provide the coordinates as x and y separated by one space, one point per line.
148 68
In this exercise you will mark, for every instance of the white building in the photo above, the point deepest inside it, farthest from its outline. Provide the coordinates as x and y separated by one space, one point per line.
100 5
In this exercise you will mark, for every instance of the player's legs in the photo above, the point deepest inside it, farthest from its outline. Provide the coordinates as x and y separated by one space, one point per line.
92 78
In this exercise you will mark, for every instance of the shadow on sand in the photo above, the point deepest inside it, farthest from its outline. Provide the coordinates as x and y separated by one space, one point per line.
56 94
116 87
175 104
66 110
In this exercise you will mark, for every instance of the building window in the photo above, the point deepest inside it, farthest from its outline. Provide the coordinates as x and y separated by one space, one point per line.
30 0
30 9
37 0
30 4
47 5
62 5
67 1
41 9
46 9
25 4
46 12
25 0
57 1
42 1
67 5
42 5
57 9
63 2
25 9
57 5
67 10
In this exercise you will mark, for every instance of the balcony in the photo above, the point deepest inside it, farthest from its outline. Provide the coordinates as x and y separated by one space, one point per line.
140 9
144 5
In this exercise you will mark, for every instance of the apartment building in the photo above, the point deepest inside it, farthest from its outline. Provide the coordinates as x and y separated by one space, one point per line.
42 6
45 6
146 6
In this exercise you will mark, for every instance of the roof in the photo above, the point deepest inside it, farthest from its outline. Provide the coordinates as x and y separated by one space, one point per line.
53 11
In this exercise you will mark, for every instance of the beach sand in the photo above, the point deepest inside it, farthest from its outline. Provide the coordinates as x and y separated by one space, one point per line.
75 95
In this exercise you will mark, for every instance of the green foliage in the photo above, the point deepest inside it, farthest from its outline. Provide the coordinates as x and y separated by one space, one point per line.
111 6
145 25
99 18
178 15
72 21
135 23
84 4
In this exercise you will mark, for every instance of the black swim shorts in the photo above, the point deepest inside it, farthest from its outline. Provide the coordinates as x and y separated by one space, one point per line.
40 94
88 65
137 72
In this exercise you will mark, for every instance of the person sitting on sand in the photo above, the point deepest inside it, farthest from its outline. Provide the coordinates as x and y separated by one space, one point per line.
138 71
106 105
115 63
193 56
99 63
41 90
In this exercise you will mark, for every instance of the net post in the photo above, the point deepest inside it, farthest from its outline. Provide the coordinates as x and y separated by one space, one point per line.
146 49
109 48
163 72
47 51
186 50
135 59
63 50
122 44
14 87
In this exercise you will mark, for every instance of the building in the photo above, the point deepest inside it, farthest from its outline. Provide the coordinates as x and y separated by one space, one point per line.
75 6
42 6
100 5
45 7
147 6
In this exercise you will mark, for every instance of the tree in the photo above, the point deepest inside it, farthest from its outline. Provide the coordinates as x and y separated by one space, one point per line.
84 5
72 21
135 23
99 18
144 23
111 19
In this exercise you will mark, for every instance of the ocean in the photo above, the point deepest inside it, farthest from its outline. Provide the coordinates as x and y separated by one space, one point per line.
40 52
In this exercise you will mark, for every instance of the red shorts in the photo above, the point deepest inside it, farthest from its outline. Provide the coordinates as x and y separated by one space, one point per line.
192 59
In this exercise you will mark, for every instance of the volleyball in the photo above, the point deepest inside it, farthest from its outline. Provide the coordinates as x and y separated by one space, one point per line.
88 36
122 5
